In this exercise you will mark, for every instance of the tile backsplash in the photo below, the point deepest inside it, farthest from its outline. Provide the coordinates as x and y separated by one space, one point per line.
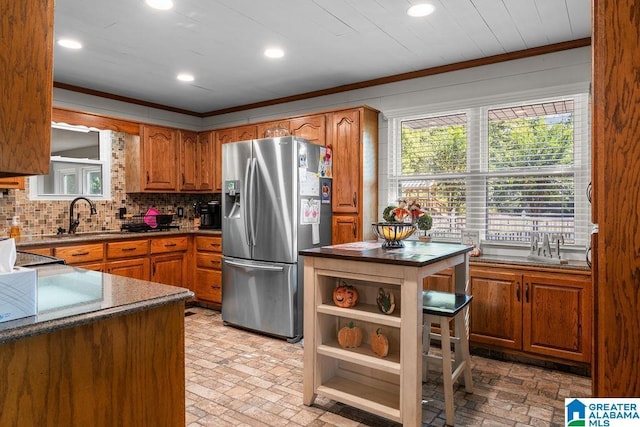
45 217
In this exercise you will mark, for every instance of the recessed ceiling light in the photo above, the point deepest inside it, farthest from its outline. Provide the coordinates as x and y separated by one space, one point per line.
160 4
185 77
70 44
274 52
419 10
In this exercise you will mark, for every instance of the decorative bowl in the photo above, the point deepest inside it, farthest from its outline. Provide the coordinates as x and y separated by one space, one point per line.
393 233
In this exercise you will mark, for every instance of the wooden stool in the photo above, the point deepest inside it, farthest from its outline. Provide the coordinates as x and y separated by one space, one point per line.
442 308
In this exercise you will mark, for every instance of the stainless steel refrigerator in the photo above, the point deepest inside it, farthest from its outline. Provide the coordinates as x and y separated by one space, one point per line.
275 202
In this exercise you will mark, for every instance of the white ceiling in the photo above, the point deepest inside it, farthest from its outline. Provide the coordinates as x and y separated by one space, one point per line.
133 51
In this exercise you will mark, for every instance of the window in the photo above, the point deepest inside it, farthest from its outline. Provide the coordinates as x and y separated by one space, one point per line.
80 165
506 170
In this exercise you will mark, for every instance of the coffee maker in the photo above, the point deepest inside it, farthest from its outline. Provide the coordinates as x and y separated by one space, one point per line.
210 214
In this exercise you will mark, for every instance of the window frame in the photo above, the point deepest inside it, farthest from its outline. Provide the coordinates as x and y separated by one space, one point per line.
106 144
477 154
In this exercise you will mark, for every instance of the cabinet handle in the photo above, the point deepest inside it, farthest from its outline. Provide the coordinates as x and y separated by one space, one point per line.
169 245
215 245
153 269
355 199
183 179
354 230
147 177
80 254
215 287
526 293
128 249
215 262
518 291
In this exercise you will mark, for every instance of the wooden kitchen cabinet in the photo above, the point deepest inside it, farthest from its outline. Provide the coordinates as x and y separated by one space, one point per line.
353 135
261 128
151 160
135 268
189 167
312 128
205 161
26 67
169 261
224 136
196 161
12 183
208 272
544 313
128 258
344 229
89 256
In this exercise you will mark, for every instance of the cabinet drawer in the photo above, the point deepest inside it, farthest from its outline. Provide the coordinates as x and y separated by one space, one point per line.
210 244
170 244
127 249
80 253
208 285
205 260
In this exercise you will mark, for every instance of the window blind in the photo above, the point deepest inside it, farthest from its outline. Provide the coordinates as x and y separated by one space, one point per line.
506 170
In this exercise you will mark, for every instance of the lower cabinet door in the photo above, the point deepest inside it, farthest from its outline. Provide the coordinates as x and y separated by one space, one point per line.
208 285
137 268
170 269
557 316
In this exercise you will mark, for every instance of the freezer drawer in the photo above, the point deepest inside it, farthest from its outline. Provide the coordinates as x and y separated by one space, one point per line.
262 296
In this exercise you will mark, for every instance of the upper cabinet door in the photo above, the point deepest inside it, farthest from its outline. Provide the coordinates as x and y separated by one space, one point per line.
26 67
189 161
159 158
311 128
345 138
205 161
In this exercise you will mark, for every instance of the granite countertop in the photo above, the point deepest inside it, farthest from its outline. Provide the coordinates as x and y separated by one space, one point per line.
414 254
53 239
69 296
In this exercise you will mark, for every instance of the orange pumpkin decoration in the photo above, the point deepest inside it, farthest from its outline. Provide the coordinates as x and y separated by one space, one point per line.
350 336
345 295
379 343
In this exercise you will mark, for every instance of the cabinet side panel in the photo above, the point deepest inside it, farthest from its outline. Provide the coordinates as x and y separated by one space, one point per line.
26 67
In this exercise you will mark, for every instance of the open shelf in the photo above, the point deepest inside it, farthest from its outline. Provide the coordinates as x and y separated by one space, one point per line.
363 356
385 403
363 312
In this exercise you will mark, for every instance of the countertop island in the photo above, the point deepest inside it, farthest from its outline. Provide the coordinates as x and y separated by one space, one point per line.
102 350
390 386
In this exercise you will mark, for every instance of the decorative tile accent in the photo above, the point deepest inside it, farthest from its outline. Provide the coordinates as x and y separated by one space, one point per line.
44 217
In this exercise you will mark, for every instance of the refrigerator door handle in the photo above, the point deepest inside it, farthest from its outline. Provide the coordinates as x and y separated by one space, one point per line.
252 195
254 266
247 203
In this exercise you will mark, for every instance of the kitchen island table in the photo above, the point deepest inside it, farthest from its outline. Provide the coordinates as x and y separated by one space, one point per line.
103 350
389 386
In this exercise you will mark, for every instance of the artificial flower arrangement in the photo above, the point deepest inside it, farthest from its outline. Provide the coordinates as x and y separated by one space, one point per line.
408 212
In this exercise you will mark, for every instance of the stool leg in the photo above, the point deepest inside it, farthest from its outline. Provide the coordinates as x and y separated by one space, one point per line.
426 344
446 371
463 354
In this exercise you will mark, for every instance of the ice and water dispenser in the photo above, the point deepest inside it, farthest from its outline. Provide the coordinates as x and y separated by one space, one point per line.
232 199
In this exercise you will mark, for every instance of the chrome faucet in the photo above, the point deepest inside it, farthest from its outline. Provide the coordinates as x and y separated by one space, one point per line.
73 224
